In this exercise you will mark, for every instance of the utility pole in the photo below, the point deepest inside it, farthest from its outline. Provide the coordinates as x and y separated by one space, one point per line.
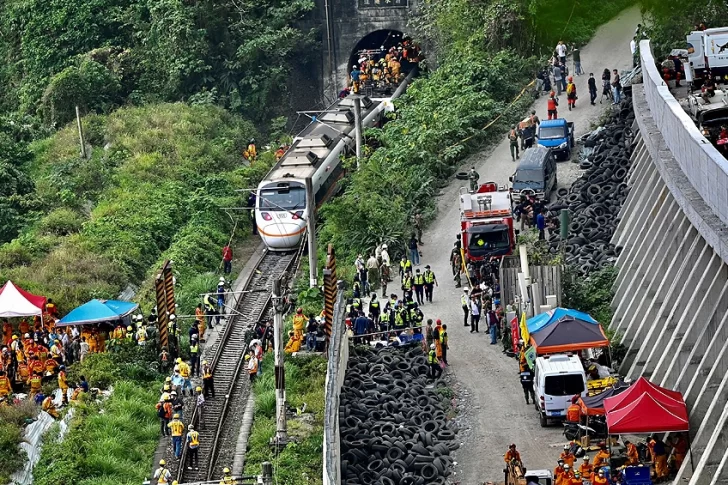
280 440
311 228
357 127
80 133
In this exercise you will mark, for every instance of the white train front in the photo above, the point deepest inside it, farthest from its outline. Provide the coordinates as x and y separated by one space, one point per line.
281 210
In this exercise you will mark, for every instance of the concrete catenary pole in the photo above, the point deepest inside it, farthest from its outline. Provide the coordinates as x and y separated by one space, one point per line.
281 438
358 128
311 229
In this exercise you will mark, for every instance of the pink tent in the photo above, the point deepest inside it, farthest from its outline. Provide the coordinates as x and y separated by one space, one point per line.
646 414
16 302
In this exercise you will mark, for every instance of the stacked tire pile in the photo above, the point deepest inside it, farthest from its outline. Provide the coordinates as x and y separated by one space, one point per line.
595 199
393 429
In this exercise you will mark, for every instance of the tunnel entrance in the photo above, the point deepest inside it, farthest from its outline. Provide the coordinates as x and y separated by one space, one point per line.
383 59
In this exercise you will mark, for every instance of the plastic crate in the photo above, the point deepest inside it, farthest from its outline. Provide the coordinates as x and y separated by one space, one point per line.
637 475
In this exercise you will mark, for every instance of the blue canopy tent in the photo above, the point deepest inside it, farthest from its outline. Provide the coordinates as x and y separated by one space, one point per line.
539 322
98 311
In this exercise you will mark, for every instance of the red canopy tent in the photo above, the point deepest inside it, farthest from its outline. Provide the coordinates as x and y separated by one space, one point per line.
16 302
647 415
663 395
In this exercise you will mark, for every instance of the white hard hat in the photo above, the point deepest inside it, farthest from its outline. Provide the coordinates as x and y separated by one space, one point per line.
566 466
384 246
432 346
466 289
172 316
222 278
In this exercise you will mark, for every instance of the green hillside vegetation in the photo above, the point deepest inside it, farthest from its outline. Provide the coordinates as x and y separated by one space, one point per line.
151 189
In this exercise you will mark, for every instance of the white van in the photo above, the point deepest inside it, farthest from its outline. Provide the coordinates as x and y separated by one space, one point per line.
556 380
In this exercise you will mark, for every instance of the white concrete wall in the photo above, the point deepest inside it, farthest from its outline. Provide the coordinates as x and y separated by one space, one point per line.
703 165
671 295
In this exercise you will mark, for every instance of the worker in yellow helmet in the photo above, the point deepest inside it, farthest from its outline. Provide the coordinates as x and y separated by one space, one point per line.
177 429
193 444
227 477
162 475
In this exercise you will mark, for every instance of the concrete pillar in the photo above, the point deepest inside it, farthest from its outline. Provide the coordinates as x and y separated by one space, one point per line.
665 299
640 159
711 463
703 357
633 289
696 317
639 225
687 285
662 256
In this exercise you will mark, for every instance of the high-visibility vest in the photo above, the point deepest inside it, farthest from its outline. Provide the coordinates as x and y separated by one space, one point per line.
398 320
209 303
4 386
551 104
429 277
206 372
432 357
374 304
177 427
35 383
62 380
298 321
194 439
443 337
384 318
162 475
464 300
419 280
194 349
407 284
405 265
184 370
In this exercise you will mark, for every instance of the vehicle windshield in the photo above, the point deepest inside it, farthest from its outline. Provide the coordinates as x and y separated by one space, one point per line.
490 240
286 197
551 132
528 179
564 385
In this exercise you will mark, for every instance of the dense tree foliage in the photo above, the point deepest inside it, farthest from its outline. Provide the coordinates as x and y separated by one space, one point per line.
669 21
104 53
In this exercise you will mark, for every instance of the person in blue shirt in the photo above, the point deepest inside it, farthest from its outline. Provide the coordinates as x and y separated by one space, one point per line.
361 324
541 225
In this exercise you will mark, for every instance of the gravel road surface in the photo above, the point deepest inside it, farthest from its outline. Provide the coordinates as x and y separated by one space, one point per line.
492 410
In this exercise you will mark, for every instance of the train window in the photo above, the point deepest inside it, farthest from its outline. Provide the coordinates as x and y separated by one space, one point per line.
283 198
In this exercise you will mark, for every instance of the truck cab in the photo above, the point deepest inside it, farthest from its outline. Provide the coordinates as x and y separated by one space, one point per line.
486 222
536 174
558 135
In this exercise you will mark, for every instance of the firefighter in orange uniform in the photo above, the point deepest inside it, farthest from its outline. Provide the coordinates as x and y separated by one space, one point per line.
299 322
633 456
599 478
586 468
512 454
680 449
568 457
573 412
5 388
559 472
602 457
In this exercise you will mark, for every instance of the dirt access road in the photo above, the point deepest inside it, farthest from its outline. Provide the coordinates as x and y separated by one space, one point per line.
492 408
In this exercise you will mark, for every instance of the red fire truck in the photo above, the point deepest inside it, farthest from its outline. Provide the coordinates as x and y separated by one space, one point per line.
486 222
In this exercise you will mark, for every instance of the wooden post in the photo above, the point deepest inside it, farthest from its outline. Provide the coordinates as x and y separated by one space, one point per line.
80 133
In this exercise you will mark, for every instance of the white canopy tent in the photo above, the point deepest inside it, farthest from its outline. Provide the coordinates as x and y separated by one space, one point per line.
16 302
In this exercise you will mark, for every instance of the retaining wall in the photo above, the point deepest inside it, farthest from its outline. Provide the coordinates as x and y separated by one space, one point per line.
671 294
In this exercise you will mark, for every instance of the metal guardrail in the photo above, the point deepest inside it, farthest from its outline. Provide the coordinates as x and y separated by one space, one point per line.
335 371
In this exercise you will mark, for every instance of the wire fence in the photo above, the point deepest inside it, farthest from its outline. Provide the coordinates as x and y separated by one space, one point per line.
336 369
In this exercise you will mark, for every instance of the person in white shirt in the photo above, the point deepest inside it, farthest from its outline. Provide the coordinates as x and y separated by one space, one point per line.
474 314
561 51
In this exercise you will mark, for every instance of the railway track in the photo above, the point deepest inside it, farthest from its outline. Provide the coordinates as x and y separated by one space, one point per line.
218 434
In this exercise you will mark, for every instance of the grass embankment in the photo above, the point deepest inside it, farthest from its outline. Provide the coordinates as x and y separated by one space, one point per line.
301 461
12 419
152 189
110 442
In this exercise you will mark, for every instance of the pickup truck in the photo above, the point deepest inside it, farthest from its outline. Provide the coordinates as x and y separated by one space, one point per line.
558 135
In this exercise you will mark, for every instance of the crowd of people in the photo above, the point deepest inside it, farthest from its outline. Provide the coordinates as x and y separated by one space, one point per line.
381 69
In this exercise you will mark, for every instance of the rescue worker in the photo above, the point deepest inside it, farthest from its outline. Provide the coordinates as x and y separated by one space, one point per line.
252 365
430 283
227 477
576 479
419 283
527 384
444 343
559 472
178 405
573 412
299 322
200 404
207 379
599 478
571 93
567 475
568 457
659 458
200 317
586 468
293 345
522 360
374 308
512 455
602 457
162 475
552 106
405 266
473 178
193 445
513 138
465 303
679 449
177 429
49 407
184 371
633 455
194 357
221 295
5 387
36 382
210 309
252 151
63 383
434 363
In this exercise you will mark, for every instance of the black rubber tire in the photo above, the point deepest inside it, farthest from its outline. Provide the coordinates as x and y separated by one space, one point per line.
542 420
429 472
